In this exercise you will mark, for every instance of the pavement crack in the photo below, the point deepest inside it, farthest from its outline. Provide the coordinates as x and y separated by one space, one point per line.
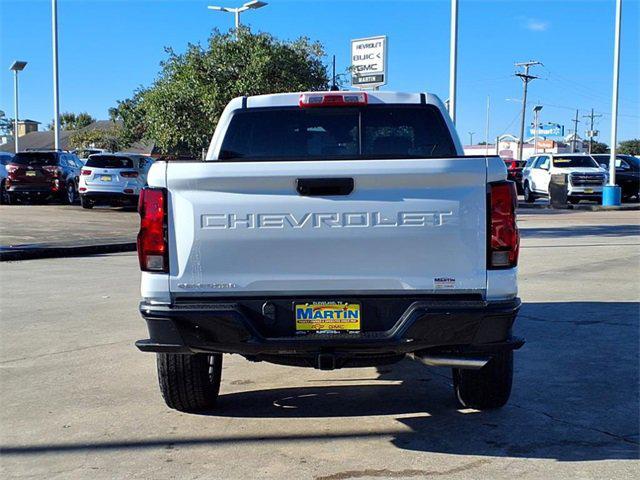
386 473
622 438
78 349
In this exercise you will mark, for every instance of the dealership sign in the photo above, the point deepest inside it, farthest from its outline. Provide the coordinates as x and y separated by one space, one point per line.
553 130
369 62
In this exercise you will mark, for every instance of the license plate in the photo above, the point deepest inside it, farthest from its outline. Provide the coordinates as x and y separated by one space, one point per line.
105 178
588 190
327 316
31 174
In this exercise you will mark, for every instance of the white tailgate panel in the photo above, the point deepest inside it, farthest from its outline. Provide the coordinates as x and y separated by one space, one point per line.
408 225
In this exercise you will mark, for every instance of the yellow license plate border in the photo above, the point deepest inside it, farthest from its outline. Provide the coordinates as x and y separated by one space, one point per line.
352 325
107 177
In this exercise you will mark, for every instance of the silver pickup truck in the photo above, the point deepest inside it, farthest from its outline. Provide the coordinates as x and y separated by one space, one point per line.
331 230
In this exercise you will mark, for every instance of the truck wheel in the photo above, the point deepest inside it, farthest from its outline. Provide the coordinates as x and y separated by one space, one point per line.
528 194
189 382
488 387
86 203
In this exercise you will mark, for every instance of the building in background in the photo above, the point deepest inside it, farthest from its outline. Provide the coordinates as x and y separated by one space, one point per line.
27 126
508 146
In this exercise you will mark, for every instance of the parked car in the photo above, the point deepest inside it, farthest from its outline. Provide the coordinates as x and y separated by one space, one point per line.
84 153
330 230
113 179
43 175
514 171
627 173
585 177
5 158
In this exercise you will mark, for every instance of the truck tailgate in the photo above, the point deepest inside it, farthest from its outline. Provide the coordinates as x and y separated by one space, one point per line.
408 225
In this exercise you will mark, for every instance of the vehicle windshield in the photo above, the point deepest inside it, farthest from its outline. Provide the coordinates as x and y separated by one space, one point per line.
109 161
576 161
375 131
35 158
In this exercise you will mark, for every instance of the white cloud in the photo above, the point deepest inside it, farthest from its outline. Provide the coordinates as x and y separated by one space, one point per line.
536 25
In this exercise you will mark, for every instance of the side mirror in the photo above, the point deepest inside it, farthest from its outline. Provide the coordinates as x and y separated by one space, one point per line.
544 167
604 166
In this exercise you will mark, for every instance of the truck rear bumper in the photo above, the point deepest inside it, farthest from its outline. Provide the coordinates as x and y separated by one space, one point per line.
423 325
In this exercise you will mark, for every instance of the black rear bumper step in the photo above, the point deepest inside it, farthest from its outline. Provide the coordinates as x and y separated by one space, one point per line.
468 326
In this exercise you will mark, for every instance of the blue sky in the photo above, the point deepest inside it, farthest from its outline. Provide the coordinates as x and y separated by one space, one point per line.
110 47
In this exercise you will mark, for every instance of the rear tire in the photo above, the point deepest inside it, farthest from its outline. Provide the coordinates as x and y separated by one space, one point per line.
189 383
529 197
86 203
487 388
4 195
70 196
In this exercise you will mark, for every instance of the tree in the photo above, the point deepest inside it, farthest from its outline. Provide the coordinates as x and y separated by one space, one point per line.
72 121
180 110
599 147
109 139
630 147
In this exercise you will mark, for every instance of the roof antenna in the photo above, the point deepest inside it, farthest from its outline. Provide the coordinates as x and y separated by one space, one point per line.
334 87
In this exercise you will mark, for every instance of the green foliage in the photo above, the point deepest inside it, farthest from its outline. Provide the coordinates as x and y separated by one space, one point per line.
179 112
72 121
630 147
599 147
110 138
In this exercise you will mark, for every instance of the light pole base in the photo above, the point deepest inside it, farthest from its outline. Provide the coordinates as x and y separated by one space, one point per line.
611 195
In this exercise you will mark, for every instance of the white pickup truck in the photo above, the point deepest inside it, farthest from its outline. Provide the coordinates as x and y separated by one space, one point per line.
330 230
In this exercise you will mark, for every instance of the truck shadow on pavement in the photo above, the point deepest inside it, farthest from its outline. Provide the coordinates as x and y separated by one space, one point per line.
575 398
575 395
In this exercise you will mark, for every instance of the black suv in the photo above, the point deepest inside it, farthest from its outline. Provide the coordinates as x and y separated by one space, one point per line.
43 175
627 173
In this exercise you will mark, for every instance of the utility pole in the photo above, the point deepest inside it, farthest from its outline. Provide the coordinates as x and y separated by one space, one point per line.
591 132
471 137
486 128
575 133
526 78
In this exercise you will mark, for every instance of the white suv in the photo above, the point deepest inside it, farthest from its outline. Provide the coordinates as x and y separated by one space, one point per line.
585 177
113 179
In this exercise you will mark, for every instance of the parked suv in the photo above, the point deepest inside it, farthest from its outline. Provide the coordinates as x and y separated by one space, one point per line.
514 172
5 159
627 173
43 175
585 177
113 179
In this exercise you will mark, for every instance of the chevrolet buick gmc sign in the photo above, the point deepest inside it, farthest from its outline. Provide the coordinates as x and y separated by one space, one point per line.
369 62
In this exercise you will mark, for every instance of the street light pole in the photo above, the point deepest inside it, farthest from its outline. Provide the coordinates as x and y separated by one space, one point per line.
453 60
536 120
16 66
56 98
611 193
253 5
471 138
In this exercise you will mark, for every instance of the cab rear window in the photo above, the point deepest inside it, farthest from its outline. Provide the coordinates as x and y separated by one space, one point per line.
109 161
374 131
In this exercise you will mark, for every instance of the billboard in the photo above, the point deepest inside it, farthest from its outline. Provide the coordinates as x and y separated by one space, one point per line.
548 130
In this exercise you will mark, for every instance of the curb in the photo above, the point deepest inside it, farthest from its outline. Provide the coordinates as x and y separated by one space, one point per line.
586 207
36 251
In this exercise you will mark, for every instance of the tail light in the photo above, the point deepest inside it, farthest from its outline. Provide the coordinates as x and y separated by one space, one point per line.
12 168
53 169
344 99
85 172
152 237
504 239
129 174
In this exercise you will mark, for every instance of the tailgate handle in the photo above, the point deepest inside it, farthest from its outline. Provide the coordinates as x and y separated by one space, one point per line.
317 187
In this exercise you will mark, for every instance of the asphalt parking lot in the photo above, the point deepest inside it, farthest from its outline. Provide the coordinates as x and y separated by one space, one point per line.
80 401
